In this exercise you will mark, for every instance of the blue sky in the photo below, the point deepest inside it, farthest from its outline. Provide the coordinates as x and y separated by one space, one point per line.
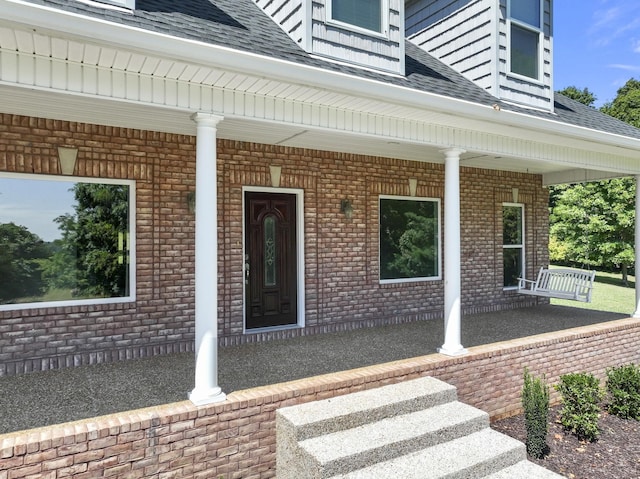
596 45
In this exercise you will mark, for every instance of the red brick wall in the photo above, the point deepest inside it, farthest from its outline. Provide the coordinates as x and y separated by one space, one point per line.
236 439
341 266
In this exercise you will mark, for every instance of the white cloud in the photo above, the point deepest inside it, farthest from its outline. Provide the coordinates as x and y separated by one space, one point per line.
615 22
621 66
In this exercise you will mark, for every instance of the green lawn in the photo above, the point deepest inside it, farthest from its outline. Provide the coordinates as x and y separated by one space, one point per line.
609 294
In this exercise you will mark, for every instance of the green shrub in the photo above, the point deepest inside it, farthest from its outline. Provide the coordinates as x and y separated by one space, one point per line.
581 395
535 402
623 385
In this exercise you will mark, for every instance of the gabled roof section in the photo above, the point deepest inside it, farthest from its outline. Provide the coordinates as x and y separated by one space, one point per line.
242 25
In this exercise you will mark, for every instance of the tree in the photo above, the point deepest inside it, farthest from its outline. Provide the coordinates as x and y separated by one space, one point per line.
595 223
626 105
583 96
20 272
94 241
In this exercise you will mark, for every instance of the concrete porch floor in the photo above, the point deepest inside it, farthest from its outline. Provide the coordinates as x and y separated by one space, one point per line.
44 398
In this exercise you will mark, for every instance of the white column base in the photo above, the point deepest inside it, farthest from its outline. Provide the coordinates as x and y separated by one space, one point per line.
206 390
202 398
452 351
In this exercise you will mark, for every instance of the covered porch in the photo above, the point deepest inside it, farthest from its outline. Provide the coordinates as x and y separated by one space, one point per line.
60 396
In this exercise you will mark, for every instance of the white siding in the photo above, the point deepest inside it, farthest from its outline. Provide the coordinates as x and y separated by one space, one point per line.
461 33
518 89
289 14
471 36
383 51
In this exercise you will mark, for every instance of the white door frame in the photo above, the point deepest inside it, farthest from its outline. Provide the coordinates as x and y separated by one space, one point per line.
299 257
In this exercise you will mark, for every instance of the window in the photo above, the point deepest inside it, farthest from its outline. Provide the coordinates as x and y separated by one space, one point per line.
525 32
526 11
65 241
513 243
365 14
409 239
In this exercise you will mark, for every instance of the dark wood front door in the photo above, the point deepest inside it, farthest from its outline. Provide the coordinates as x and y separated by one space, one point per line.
270 260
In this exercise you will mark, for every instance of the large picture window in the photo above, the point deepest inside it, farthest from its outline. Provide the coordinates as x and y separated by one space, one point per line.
409 239
513 243
65 241
525 33
367 14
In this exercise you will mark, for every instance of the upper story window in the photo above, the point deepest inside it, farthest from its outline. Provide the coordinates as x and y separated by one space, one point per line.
525 37
365 14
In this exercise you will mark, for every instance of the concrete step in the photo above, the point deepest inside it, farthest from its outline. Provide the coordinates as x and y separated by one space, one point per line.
410 430
326 416
358 447
524 470
473 456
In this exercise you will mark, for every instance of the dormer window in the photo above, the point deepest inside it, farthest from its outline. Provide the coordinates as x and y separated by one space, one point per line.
362 14
525 18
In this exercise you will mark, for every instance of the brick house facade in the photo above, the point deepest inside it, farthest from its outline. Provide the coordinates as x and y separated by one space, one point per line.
200 108
341 257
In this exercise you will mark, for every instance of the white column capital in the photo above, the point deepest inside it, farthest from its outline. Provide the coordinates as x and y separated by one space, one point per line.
207 119
453 153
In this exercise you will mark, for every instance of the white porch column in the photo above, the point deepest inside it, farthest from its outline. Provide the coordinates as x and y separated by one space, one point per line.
452 309
206 249
636 314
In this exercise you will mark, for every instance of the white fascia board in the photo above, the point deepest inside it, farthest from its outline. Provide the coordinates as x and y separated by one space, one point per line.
113 34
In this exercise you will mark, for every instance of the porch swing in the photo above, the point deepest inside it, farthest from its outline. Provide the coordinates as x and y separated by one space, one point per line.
560 283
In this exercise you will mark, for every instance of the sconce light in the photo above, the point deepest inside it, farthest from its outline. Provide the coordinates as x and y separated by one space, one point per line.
191 202
347 208
67 158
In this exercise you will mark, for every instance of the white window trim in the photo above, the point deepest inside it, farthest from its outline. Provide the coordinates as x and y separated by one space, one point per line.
521 246
417 279
132 244
532 28
299 257
384 17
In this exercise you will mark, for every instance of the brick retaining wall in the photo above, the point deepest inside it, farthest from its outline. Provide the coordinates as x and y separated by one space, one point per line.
236 439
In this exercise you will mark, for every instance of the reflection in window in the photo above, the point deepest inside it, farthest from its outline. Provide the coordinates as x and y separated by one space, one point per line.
409 232
512 244
365 14
64 241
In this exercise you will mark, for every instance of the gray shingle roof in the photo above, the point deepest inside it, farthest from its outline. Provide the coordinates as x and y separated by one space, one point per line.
240 24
